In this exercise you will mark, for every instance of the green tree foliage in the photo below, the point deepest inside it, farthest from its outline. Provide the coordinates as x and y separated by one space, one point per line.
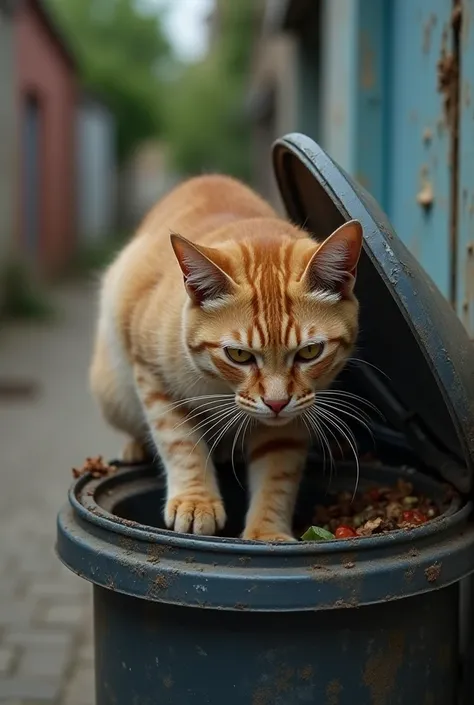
119 49
207 127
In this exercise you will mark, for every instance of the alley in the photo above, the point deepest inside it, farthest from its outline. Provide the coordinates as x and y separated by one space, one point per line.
45 612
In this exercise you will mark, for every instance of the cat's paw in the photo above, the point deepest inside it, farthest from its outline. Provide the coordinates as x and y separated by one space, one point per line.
195 513
267 536
134 452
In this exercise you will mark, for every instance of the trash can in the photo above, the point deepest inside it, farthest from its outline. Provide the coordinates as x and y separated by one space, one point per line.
183 619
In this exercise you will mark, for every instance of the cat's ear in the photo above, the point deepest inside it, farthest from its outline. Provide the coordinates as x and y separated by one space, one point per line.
333 266
204 278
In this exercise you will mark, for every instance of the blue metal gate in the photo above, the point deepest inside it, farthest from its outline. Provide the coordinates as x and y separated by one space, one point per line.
414 131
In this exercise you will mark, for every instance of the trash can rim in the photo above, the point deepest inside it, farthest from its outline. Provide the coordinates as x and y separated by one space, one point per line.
82 499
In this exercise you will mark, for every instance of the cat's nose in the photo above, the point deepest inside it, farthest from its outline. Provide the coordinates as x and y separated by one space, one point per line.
276 405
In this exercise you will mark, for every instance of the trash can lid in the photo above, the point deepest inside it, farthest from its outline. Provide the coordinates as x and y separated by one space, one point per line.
408 329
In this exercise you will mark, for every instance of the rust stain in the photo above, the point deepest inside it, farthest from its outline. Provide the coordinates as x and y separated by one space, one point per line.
433 572
367 76
333 692
155 553
449 88
126 543
305 673
447 78
382 668
262 696
283 680
161 582
409 573
168 682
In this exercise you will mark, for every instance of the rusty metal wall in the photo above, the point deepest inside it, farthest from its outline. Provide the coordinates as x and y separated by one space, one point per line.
414 131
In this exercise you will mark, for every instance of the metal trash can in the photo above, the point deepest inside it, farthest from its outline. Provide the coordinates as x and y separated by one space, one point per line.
182 619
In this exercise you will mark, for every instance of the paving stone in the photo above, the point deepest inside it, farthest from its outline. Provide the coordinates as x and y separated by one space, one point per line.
7 659
45 612
39 638
37 662
59 589
39 690
16 613
86 654
64 615
81 688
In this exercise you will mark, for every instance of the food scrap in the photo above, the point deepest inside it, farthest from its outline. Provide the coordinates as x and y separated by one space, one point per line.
375 511
95 467
317 533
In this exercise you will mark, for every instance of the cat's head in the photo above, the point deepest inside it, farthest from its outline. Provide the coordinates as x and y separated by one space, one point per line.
271 314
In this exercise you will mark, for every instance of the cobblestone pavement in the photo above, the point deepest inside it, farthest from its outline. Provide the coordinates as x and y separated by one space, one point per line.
45 611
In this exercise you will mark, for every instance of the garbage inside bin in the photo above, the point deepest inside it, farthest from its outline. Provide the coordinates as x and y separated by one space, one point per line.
372 620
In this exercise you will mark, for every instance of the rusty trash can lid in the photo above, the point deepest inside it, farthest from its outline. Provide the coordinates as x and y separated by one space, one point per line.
420 370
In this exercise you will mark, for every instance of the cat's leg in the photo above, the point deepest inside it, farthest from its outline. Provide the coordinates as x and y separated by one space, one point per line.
114 391
276 460
193 502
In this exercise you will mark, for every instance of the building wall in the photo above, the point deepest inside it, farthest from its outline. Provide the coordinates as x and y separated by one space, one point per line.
7 137
338 79
96 171
46 76
275 75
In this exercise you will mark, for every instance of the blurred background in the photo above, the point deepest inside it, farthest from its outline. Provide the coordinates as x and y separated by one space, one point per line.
104 105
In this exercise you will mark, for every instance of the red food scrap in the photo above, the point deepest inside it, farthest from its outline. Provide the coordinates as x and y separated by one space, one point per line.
413 516
345 532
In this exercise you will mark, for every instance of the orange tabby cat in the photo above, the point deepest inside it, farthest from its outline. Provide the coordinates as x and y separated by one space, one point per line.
236 316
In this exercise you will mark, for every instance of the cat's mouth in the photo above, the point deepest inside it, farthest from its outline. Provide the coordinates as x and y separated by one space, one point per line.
276 420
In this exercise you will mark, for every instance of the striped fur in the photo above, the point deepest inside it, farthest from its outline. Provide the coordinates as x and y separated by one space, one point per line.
232 275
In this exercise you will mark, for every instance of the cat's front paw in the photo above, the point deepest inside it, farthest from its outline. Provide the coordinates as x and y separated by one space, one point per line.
267 536
195 513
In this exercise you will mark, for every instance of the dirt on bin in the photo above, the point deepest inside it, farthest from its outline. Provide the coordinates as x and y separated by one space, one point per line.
96 467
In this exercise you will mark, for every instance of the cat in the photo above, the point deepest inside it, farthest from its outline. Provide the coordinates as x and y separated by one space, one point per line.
221 316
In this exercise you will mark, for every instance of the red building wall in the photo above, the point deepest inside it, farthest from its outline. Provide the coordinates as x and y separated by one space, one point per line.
46 75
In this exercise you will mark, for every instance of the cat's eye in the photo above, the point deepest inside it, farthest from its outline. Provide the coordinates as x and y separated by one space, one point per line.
241 357
310 352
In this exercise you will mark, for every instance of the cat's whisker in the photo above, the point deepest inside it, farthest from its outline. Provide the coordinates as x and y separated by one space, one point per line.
250 423
329 430
183 402
354 360
346 404
346 432
233 450
343 410
342 393
221 416
216 408
220 434
324 442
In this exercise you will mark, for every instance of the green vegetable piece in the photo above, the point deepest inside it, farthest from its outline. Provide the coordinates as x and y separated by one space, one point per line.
317 533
